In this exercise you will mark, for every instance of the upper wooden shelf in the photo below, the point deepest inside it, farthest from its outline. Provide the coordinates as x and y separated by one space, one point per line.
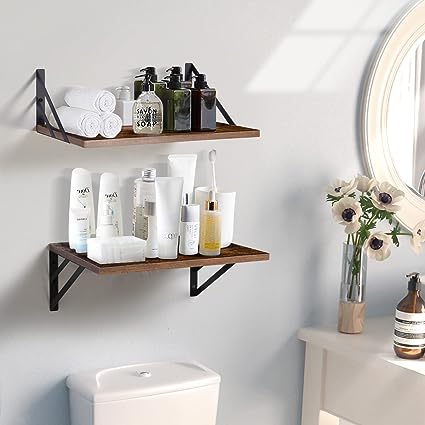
127 137
230 255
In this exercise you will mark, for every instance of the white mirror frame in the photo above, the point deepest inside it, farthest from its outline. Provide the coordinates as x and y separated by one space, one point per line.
408 29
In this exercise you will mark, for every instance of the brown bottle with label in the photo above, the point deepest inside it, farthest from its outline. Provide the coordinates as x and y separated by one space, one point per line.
409 328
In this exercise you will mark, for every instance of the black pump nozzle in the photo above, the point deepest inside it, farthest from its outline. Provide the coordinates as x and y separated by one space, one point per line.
147 84
174 81
414 281
149 70
200 81
175 70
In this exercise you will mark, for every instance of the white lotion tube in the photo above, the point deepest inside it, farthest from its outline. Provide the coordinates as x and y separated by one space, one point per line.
80 197
109 193
79 224
183 166
168 203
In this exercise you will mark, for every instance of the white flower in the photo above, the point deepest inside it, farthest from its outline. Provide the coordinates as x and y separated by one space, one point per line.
347 212
341 187
365 184
418 237
378 246
386 197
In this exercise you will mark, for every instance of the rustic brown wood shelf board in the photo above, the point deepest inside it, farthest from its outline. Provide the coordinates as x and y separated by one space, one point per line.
127 137
230 255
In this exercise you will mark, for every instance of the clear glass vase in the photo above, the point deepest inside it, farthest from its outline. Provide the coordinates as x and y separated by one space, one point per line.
352 290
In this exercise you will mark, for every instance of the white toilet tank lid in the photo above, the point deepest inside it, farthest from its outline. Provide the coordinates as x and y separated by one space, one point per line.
140 380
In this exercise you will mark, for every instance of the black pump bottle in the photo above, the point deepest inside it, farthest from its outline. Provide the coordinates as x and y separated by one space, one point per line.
203 105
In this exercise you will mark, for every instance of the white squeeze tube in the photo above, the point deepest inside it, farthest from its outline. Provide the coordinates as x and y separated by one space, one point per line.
183 166
168 204
79 223
81 197
109 193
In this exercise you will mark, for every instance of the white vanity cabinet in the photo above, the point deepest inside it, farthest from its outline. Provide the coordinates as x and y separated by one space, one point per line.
359 379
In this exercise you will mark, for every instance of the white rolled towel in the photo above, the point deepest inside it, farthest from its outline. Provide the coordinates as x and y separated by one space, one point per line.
95 100
78 121
111 125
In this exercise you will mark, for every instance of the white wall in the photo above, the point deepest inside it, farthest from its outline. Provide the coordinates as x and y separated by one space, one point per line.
291 68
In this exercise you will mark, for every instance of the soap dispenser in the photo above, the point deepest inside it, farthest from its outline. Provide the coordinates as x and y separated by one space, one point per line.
148 110
409 328
177 116
203 105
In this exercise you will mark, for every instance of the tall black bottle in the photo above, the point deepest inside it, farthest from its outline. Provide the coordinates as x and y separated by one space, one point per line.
177 116
203 105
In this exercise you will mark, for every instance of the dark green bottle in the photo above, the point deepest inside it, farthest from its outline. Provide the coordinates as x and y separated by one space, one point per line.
139 79
203 105
177 108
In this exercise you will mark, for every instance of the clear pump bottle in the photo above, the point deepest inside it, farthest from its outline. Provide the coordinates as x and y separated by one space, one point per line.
148 110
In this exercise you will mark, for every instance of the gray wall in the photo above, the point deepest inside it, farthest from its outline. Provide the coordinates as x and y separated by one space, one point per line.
291 68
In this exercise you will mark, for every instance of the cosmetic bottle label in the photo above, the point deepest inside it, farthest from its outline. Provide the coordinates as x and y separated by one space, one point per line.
409 330
146 117
145 228
138 222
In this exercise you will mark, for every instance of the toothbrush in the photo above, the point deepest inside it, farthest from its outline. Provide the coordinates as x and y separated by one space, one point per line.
212 156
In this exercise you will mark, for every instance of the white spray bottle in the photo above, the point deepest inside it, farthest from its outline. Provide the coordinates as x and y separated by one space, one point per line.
109 193
81 197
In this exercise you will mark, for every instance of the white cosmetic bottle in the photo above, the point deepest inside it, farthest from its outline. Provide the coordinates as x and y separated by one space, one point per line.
81 196
109 194
189 229
105 228
144 190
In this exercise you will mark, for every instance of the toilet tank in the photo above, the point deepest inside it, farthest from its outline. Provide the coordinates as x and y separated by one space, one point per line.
168 393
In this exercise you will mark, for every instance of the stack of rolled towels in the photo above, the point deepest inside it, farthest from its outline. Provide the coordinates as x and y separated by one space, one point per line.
89 112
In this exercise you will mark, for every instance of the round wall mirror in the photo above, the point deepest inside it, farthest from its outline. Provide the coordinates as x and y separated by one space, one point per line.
393 113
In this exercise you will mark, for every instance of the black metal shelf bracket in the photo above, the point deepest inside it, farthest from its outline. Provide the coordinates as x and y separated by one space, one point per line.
55 295
195 288
55 269
41 95
189 71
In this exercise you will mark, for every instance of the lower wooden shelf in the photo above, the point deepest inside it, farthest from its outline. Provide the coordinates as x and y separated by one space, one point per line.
229 257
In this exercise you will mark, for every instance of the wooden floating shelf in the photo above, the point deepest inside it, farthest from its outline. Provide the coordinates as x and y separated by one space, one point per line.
228 258
127 137
230 255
